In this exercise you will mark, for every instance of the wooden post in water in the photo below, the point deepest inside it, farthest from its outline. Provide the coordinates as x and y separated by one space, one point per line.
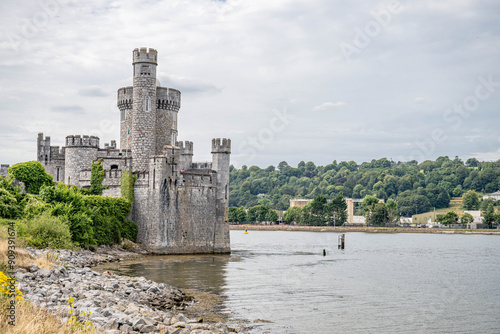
341 241
324 252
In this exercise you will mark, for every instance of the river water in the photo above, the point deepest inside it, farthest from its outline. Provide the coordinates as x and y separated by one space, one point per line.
280 282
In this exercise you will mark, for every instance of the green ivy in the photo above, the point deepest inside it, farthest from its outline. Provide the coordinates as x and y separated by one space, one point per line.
96 178
127 181
32 174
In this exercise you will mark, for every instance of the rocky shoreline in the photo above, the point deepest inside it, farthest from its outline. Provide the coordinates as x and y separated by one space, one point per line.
112 303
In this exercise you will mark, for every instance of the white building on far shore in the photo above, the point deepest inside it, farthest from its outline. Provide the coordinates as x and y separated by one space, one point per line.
495 196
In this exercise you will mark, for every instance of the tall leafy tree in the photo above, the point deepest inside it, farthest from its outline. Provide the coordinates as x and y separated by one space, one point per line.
450 217
337 209
392 211
378 215
368 205
470 201
293 214
466 218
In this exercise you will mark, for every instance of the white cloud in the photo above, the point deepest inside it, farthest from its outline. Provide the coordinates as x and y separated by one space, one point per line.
419 100
329 106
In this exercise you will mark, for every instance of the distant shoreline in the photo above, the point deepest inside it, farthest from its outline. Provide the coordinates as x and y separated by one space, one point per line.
343 229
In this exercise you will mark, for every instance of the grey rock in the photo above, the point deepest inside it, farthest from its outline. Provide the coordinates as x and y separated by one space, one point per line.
148 329
154 290
107 313
137 324
33 268
44 272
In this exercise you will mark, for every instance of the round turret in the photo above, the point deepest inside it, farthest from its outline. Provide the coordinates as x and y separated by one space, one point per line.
125 104
168 98
80 151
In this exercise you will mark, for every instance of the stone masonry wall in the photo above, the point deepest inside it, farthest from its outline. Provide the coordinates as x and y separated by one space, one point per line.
78 158
4 170
125 104
221 150
142 141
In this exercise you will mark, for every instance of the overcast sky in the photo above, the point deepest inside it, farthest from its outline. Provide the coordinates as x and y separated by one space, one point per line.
312 80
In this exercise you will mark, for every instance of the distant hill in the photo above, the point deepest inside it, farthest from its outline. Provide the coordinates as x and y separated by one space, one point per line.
417 187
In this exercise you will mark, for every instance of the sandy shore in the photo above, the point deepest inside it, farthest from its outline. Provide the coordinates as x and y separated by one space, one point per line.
343 229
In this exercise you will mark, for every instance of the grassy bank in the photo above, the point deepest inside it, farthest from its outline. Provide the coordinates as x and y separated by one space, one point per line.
342 229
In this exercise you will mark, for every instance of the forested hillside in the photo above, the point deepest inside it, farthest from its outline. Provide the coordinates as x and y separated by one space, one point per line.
416 187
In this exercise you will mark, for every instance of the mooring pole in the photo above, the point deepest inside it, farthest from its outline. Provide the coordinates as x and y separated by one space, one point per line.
341 241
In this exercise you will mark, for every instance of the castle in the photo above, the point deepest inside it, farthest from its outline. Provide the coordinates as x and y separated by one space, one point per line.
179 206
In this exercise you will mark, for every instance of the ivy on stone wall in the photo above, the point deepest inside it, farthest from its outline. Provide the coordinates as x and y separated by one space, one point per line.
96 178
127 185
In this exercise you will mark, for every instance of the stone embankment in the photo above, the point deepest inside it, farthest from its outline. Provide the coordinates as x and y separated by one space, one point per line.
113 304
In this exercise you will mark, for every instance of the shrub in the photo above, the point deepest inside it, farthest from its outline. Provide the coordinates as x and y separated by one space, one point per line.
46 231
32 174
80 225
8 205
129 230
34 207
92 219
12 199
108 215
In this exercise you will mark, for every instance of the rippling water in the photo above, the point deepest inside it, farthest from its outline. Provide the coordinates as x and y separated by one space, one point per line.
380 283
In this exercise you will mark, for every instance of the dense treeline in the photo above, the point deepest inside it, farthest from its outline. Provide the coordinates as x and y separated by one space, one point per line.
415 187
60 216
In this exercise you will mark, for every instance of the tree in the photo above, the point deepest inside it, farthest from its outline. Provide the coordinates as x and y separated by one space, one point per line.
413 204
237 214
449 218
466 218
378 215
315 212
392 211
470 201
489 216
252 214
486 203
337 209
32 174
272 216
472 162
368 205
293 214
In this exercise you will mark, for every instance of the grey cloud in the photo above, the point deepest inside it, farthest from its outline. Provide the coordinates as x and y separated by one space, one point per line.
93 91
72 109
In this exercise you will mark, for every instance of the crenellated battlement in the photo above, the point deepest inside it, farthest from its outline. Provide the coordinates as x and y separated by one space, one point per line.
185 146
86 141
201 165
143 55
168 98
125 98
193 178
221 145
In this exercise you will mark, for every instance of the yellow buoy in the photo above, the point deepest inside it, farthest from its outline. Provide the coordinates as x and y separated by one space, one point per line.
246 232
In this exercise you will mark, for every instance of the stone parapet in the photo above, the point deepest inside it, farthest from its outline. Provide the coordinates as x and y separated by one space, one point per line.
77 140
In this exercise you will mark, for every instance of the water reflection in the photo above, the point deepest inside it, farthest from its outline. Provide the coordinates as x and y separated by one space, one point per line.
205 273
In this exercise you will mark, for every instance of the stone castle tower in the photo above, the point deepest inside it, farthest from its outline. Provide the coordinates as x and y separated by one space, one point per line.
180 206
